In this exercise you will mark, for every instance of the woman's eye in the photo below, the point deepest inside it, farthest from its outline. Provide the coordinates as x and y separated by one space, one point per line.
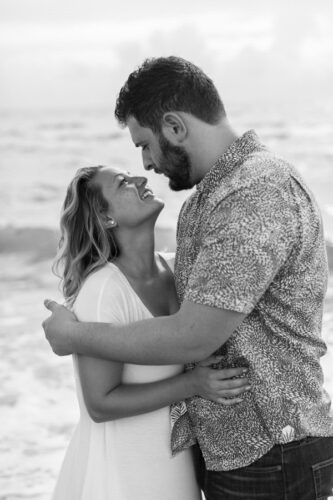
123 182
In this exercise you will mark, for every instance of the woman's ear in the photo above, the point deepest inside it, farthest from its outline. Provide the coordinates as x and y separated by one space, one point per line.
174 128
111 223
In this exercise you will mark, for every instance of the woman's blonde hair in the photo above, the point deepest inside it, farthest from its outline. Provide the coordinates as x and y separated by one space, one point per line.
86 241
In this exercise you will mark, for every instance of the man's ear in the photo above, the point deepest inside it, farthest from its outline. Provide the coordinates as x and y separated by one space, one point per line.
174 128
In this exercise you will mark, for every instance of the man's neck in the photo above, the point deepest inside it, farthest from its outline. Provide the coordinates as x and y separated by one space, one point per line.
209 143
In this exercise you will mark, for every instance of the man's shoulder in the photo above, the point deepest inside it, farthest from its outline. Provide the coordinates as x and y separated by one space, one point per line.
260 169
265 163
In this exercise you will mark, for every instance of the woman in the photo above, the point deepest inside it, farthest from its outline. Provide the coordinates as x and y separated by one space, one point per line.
120 449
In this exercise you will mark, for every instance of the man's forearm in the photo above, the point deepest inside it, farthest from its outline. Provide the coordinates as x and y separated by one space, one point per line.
156 341
192 334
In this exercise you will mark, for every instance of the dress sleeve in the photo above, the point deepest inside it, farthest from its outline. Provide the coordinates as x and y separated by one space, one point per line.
249 237
101 299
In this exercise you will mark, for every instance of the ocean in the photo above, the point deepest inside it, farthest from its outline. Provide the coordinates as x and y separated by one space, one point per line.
39 153
41 150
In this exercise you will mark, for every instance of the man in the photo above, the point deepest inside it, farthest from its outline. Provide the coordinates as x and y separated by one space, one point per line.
251 275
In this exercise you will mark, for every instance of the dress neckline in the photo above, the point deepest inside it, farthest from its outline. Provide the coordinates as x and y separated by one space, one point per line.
128 284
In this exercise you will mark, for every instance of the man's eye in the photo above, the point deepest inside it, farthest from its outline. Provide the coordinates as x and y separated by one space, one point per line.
123 182
144 147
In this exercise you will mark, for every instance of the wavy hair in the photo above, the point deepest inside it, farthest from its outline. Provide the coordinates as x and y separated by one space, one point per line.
86 242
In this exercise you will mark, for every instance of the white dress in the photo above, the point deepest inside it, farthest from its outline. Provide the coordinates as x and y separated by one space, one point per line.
129 458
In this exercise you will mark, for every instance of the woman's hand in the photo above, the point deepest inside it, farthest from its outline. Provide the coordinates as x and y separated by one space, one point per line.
224 386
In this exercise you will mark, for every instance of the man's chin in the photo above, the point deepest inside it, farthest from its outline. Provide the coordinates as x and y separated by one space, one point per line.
176 185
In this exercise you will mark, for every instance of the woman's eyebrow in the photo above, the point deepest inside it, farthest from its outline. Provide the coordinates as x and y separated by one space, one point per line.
118 175
115 178
122 175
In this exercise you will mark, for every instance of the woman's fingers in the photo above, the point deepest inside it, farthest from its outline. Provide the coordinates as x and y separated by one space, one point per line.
229 398
212 360
216 377
233 392
229 384
230 390
229 402
224 373
224 386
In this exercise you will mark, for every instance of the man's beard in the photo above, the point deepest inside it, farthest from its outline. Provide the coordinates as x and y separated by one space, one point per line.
175 164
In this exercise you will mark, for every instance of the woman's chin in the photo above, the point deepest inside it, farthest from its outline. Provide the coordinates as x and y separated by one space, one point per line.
157 209
157 203
161 205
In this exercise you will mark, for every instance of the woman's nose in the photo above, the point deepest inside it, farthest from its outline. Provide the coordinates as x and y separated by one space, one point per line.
139 181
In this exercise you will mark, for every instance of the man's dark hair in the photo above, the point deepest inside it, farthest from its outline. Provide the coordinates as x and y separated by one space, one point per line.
168 84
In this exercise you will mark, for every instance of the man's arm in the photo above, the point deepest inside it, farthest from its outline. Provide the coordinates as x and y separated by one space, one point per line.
249 237
192 334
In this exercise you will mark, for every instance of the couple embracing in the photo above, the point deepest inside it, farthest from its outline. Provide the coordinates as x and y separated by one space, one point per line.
240 307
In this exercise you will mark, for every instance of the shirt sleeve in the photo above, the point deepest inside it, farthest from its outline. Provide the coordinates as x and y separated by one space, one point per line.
102 299
249 237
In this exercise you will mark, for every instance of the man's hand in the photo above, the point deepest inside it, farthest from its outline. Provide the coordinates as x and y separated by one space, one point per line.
58 328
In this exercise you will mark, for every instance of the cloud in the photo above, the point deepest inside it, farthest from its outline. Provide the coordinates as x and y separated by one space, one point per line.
268 56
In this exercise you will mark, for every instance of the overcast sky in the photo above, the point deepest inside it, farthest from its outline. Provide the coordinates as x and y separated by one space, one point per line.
78 52
76 10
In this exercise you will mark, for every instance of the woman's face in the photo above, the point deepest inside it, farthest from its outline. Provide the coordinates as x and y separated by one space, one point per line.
131 202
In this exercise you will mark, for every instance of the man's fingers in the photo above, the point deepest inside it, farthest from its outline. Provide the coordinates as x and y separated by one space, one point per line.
50 304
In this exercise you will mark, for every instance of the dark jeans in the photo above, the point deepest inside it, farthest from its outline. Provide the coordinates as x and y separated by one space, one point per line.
301 470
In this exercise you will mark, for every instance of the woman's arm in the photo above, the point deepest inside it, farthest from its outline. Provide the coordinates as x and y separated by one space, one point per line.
107 398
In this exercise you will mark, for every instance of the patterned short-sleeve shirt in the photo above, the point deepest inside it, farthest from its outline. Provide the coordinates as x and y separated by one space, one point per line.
250 239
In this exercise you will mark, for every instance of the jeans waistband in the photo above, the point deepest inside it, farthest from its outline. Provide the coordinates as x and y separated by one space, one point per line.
300 442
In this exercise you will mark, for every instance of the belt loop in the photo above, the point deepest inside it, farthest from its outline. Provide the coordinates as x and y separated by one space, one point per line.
283 473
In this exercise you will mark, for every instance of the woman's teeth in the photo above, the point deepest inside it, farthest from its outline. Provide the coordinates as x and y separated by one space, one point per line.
146 194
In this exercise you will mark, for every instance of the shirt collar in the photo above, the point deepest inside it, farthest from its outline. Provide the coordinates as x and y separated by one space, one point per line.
234 155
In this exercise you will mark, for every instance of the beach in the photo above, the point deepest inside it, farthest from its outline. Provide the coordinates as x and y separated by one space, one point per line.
39 154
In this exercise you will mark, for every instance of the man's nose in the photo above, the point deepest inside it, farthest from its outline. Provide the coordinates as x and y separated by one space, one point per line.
148 164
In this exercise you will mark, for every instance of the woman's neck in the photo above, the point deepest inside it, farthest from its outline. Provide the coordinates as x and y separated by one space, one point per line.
137 253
